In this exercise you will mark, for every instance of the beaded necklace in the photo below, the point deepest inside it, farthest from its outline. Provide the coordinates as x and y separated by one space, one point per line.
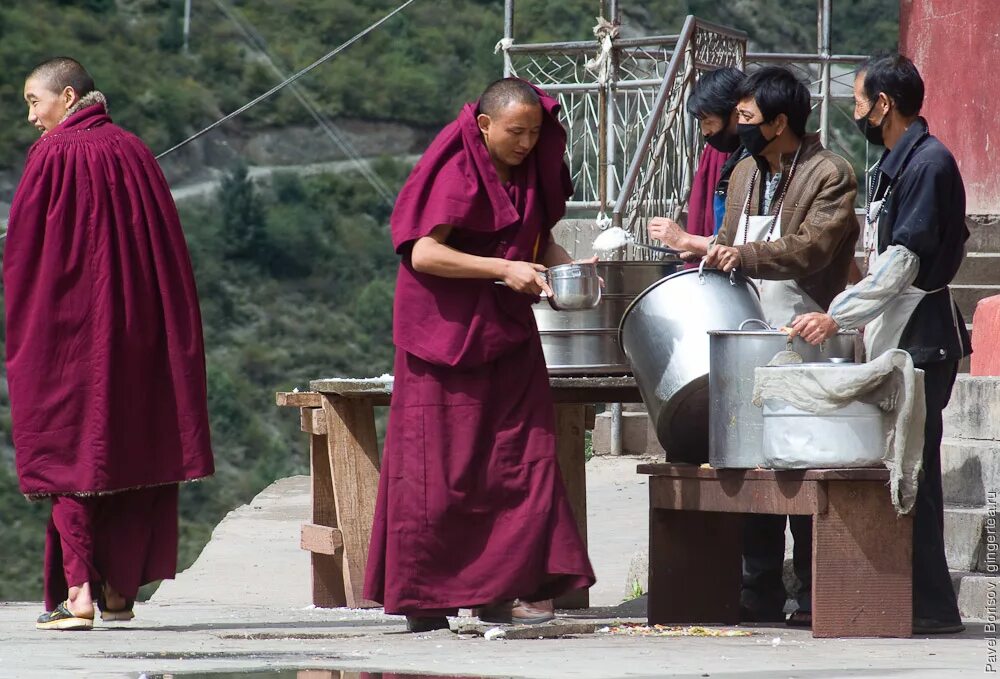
775 205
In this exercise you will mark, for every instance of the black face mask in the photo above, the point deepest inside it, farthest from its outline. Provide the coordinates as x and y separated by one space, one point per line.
724 140
752 138
873 133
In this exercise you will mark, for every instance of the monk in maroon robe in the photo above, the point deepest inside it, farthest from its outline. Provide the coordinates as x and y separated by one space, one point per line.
471 509
105 357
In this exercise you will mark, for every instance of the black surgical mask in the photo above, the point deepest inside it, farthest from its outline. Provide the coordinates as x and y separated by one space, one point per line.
752 138
873 133
724 140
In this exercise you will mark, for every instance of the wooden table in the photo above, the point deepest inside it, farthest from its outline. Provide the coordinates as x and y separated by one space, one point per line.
862 550
339 416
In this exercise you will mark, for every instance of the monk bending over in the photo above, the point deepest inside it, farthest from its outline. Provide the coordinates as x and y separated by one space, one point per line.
471 509
105 358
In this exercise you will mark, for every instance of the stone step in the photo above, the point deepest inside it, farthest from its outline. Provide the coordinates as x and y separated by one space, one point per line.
979 268
984 233
974 409
974 591
969 469
968 296
965 537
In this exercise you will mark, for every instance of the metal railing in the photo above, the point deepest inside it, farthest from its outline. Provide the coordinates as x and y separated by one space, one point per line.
659 176
630 148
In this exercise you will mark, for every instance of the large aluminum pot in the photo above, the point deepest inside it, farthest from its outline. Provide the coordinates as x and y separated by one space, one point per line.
735 425
586 342
665 337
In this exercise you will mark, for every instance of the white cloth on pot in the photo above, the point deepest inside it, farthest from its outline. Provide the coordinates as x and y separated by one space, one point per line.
889 381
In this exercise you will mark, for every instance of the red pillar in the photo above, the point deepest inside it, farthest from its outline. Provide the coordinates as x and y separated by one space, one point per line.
956 46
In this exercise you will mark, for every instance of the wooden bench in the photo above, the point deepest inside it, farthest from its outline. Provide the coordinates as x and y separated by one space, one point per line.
861 566
339 416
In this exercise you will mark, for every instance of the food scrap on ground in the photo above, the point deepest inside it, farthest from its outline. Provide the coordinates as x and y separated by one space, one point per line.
634 629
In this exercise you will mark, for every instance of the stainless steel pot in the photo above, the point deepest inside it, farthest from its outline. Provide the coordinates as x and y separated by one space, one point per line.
586 342
664 334
574 286
605 315
579 352
735 425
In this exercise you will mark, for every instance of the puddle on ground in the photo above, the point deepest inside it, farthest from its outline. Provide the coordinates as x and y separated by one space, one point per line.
300 674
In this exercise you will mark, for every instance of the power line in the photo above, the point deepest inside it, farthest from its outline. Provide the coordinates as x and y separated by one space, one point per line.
331 130
288 81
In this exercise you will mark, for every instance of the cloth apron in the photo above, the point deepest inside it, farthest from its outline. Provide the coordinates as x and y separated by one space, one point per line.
782 301
886 331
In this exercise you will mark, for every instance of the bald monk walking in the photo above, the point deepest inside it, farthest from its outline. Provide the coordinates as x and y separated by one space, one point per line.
105 358
472 511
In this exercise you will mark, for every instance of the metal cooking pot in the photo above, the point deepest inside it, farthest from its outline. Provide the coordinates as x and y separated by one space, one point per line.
735 438
574 286
586 342
664 334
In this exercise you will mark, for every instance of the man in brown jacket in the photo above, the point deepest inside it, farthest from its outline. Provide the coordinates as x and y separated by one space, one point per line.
790 225
804 193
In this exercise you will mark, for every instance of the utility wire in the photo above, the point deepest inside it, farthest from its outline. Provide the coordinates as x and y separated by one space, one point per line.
288 81
250 33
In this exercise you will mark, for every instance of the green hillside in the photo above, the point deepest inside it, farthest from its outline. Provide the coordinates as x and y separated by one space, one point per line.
296 274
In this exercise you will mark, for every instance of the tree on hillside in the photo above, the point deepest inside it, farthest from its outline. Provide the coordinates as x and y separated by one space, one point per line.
243 222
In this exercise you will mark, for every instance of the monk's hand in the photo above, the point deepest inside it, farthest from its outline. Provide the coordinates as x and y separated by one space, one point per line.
526 277
814 328
668 232
724 258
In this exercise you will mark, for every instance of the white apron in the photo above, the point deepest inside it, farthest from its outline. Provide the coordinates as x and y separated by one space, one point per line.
782 301
886 331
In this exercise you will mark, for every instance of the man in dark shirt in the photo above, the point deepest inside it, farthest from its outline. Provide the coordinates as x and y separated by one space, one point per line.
914 245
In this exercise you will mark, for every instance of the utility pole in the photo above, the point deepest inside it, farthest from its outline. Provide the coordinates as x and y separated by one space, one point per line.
187 24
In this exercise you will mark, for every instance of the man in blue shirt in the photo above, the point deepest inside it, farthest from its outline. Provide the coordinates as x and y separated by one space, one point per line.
914 245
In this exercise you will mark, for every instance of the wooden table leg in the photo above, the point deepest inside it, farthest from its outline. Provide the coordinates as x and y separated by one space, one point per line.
327 573
570 439
862 569
694 567
353 456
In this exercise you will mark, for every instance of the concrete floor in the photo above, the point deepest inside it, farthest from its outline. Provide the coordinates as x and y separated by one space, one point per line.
244 606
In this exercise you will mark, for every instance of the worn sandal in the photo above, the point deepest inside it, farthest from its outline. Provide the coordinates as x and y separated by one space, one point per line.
118 615
63 619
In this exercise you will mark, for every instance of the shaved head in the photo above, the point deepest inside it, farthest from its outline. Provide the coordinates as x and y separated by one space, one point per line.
61 72
505 92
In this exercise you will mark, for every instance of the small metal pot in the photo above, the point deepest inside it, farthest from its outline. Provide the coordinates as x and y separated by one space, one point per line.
574 286
586 342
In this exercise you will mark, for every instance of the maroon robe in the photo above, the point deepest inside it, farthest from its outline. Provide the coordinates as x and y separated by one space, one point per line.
471 505
105 357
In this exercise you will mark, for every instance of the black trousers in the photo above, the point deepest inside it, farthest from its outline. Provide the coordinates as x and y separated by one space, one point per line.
763 592
933 593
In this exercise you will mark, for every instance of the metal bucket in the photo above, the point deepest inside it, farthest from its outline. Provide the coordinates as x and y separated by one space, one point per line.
664 334
736 426
850 436
586 342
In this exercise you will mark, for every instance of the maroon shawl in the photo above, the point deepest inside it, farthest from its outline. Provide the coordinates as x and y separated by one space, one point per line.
455 183
105 357
701 207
